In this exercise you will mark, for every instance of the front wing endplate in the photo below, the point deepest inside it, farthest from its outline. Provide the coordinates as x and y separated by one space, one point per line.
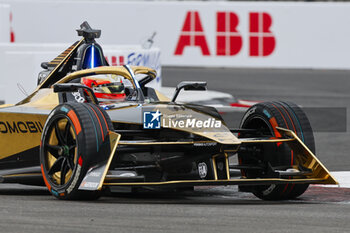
95 176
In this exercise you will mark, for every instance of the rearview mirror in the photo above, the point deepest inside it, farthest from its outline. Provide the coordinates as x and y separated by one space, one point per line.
44 65
189 86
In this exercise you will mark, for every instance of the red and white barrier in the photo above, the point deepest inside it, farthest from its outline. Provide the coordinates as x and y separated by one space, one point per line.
5 23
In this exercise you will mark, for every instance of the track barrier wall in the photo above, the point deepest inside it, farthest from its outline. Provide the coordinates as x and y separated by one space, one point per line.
294 35
209 34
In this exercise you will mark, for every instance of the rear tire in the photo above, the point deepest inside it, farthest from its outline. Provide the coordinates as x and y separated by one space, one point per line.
266 117
72 136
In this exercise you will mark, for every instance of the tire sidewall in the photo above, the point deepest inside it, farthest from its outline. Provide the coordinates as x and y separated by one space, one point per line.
65 191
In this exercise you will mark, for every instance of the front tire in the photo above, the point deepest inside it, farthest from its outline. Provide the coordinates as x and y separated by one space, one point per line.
72 136
265 117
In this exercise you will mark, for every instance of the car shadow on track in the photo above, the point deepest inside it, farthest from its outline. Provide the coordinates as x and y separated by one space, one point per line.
210 196
216 196
202 197
23 190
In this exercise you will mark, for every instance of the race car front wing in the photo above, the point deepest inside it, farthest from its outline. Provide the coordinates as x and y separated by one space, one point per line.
314 171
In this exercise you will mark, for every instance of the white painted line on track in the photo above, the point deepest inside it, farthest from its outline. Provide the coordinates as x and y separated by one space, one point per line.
343 177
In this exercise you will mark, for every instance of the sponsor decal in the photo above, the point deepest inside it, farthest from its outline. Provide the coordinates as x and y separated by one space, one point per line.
115 60
64 109
89 185
269 189
94 174
149 59
151 120
20 127
75 180
78 97
202 170
261 40
248 113
136 59
192 34
57 194
205 144
229 41
222 135
54 193
267 113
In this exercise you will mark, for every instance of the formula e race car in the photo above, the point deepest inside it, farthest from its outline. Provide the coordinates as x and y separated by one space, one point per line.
66 138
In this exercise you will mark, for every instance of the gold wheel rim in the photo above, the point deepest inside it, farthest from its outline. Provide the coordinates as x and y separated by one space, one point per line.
59 153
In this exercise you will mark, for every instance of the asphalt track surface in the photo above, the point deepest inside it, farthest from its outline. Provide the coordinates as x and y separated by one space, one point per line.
219 209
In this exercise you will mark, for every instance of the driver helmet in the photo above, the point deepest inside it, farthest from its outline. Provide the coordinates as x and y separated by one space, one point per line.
105 89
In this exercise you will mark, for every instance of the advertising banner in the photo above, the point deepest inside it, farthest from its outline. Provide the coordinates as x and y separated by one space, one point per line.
209 34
